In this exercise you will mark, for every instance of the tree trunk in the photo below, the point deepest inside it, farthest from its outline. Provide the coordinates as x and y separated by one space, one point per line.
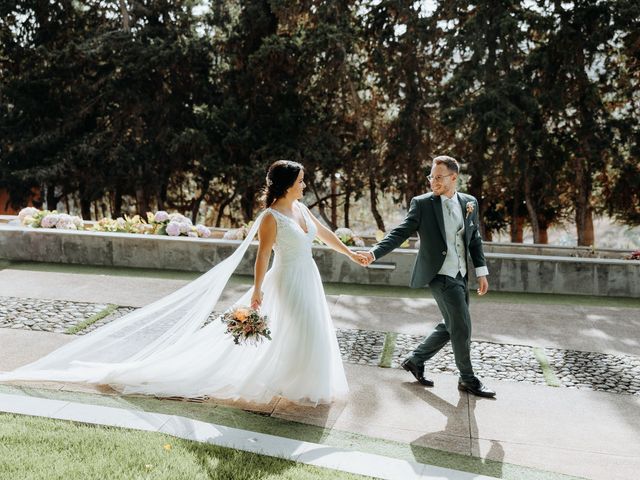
198 200
195 208
544 234
221 208
117 203
224 204
52 200
373 197
584 211
321 210
347 206
517 229
162 196
533 214
126 20
85 208
246 202
334 199
142 201
517 220
584 225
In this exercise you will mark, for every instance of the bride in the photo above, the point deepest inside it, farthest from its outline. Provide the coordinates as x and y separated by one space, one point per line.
167 349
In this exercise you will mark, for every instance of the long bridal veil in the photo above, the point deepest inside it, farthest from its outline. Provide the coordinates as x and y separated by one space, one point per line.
144 334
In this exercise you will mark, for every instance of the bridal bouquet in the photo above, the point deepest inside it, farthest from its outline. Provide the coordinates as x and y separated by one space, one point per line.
246 325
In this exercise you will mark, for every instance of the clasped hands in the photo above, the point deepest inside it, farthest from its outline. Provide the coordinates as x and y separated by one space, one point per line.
362 258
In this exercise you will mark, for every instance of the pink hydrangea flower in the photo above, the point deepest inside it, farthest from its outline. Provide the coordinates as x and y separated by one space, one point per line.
203 231
178 217
27 212
49 221
173 229
161 216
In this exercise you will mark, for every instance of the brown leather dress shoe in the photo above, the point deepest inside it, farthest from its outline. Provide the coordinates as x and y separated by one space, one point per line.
417 372
476 388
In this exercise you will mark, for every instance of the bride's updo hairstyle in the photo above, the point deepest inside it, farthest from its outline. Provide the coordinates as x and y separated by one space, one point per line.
280 177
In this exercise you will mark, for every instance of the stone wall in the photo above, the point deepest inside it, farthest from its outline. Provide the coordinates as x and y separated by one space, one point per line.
508 272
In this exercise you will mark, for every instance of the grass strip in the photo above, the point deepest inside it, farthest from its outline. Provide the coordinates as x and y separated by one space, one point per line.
388 349
92 319
547 370
41 448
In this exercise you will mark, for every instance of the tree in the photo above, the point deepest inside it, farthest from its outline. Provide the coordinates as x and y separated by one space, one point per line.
621 177
484 51
570 94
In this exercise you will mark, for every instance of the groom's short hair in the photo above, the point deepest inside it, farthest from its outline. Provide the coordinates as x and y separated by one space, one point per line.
450 162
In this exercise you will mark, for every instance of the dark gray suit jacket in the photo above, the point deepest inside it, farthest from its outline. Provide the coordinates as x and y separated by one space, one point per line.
425 217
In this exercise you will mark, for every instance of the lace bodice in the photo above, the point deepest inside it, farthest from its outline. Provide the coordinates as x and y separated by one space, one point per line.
292 242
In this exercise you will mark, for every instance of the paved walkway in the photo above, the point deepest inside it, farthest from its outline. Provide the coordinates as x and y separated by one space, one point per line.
614 373
529 431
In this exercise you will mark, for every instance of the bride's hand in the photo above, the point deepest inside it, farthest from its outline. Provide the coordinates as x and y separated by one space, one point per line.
256 300
358 258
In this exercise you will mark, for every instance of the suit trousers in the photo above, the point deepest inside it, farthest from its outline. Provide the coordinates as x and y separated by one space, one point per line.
452 297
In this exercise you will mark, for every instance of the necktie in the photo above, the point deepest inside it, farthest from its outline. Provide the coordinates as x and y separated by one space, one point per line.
449 206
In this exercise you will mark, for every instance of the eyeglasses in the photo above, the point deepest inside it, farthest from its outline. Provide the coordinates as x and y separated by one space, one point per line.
437 178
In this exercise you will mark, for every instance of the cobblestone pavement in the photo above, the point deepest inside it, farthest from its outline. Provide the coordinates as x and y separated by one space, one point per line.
494 360
361 346
573 369
45 315
596 371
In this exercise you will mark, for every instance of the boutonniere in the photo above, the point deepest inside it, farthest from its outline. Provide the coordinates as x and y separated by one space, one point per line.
470 207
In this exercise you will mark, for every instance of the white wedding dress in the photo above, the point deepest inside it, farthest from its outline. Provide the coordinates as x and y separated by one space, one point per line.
164 350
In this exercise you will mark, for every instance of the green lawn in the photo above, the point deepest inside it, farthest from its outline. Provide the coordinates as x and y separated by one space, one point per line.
40 448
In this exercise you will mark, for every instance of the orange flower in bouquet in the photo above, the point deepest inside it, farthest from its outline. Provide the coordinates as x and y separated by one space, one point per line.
241 314
246 325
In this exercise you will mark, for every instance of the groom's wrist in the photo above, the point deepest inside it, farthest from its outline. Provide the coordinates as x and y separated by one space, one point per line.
482 271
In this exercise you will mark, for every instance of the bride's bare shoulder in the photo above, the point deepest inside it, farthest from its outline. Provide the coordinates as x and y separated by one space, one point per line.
268 227
269 218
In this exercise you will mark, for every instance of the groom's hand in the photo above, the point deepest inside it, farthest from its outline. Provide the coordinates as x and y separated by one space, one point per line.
359 258
369 258
483 285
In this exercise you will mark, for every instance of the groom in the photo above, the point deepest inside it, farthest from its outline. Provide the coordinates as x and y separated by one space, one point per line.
447 222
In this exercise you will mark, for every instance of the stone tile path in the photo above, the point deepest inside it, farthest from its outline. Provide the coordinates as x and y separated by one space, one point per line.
618 374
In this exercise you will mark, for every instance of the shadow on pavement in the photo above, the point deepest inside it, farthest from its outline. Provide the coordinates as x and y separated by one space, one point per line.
489 464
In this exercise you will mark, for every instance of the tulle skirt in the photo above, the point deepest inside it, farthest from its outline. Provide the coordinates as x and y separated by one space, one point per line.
301 363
